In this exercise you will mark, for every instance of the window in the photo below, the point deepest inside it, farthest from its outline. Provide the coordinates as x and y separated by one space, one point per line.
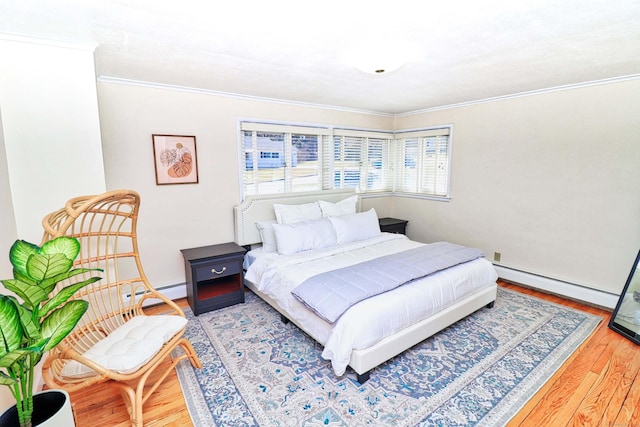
423 162
361 161
282 159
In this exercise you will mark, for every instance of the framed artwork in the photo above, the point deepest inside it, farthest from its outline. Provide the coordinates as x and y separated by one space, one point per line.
175 159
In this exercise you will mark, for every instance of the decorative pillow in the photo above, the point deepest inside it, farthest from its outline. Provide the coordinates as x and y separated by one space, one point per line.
130 346
288 214
304 236
343 207
355 227
267 235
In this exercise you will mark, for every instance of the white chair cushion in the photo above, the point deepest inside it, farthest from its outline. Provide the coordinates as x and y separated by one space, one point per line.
130 346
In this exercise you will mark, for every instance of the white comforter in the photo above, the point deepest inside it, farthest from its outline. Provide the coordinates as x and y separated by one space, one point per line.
369 321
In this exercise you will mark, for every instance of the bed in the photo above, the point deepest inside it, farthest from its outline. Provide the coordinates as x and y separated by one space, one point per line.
372 330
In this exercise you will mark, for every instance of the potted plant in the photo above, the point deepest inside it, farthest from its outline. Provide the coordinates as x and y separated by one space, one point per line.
34 326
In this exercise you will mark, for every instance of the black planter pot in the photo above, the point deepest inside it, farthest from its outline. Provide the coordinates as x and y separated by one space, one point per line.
47 405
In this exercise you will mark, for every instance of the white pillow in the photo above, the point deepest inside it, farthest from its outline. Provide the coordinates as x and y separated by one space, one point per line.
343 207
288 214
355 227
267 235
304 236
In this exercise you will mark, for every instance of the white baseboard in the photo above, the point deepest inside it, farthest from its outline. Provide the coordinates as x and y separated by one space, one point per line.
174 292
558 287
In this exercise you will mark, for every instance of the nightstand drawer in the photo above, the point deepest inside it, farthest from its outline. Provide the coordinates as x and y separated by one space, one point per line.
393 225
216 270
396 228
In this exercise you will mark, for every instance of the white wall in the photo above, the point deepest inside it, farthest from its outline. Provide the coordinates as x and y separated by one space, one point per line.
551 181
7 224
173 217
50 127
9 234
50 148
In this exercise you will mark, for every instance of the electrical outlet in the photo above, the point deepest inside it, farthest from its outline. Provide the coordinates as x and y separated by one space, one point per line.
497 256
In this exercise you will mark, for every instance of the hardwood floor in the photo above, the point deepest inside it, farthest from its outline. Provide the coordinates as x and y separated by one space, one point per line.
598 386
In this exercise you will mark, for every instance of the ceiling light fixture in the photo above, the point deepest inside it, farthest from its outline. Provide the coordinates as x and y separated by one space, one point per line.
378 58
379 67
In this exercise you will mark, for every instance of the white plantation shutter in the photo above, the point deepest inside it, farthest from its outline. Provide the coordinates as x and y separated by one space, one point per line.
328 162
423 161
264 160
280 158
347 161
435 164
360 160
378 164
277 158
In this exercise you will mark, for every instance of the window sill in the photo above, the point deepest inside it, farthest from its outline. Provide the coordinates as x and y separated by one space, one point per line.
407 195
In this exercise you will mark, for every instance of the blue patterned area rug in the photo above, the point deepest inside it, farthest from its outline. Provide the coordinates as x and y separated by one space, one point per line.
258 371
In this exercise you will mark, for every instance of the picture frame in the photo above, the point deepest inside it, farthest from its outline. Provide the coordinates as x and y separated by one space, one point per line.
625 318
175 159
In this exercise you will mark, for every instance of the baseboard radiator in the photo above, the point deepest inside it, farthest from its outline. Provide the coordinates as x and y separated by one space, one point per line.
173 292
558 287
547 284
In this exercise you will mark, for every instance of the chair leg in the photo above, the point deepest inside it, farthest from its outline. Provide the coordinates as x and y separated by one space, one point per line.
136 411
133 402
134 399
191 353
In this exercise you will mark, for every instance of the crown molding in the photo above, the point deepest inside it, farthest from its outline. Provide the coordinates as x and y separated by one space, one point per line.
117 80
141 83
524 94
22 38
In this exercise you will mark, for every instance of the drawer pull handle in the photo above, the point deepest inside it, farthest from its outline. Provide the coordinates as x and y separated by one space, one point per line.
213 270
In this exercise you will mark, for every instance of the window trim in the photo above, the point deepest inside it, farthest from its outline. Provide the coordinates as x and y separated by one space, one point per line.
392 160
426 132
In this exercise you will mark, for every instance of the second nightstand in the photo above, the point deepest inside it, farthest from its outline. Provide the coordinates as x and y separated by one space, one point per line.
214 276
393 225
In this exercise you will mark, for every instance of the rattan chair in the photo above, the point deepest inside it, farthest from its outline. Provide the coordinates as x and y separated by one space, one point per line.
105 225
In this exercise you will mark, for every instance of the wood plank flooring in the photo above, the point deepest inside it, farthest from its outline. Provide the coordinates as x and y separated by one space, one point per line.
598 386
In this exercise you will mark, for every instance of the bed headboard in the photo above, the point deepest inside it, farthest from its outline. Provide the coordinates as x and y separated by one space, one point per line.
260 208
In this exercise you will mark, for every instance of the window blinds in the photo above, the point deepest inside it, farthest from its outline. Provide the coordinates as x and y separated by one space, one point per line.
286 158
422 161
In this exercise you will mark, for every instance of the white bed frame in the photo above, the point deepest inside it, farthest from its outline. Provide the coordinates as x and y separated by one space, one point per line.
260 208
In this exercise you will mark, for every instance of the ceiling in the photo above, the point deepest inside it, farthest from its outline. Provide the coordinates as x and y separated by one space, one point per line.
455 51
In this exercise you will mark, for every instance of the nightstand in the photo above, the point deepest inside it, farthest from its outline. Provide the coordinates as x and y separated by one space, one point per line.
214 276
393 225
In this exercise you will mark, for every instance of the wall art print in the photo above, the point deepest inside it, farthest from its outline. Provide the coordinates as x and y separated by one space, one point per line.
175 159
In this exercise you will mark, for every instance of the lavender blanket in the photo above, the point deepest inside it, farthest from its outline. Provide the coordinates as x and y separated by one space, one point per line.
331 293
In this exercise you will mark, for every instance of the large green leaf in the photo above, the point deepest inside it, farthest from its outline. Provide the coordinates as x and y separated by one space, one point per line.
32 295
15 356
45 266
19 254
23 277
7 380
47 285
68 246
64 294
10 326
61 321
29 328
